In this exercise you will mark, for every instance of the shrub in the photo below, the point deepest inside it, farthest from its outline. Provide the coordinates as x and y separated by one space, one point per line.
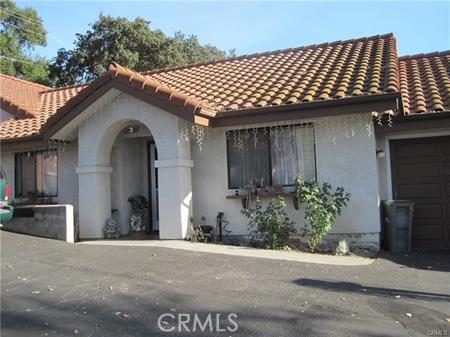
322 206
272 225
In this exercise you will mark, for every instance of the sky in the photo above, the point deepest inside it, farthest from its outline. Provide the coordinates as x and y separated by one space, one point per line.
251 27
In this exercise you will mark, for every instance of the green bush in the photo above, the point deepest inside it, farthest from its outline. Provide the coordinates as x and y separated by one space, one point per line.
322 206
271 225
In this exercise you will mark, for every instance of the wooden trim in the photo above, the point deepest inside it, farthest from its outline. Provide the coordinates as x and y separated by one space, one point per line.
308 110
415 123
23 144
202 120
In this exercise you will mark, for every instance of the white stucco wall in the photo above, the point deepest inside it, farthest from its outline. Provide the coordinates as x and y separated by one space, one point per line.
67 178
349 162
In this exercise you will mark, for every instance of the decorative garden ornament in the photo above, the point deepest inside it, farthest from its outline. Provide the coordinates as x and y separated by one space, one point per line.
136 223
111 229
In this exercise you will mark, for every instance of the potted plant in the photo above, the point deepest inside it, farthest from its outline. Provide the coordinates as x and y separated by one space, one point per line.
138 213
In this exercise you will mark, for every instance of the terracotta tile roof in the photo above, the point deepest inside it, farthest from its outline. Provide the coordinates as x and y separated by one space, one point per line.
133 83
425 82
305 74
151 86
19 97
48 102
317 73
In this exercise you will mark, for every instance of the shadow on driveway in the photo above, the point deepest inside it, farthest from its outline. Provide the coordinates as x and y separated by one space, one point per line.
96 317
438 260
375 291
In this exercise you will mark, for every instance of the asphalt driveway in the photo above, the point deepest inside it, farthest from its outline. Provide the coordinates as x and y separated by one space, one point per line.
50 288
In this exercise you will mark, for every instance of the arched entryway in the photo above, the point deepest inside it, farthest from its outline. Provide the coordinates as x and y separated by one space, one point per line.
99 166
134 175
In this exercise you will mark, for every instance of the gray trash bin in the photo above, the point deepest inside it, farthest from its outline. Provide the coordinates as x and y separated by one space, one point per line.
398 217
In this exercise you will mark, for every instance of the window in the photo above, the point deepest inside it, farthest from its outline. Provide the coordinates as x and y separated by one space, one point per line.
37 172
271 156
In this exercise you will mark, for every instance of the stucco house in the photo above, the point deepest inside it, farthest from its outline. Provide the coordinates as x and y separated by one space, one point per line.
352 113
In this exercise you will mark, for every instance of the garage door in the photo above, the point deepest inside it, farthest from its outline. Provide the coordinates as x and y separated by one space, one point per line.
421 172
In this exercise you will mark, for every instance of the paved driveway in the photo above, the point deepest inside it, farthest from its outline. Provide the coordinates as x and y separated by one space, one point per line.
50 288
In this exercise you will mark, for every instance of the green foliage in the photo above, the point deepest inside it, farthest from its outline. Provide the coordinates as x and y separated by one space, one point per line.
322 206
272 224
132 44
21 30
138 203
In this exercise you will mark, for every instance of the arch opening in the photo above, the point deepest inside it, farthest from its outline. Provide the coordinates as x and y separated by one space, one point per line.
114 150
129 148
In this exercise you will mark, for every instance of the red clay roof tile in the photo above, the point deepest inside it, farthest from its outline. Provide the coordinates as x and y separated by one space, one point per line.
19 97
425 82
305 74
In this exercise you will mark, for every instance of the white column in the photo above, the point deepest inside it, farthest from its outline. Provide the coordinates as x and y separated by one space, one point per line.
175 197
94 183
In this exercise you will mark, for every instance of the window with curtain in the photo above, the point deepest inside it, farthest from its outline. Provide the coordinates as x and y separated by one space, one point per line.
36 172
271 156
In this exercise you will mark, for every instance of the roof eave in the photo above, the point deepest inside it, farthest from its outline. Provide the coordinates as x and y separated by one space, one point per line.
341 106
417 122
23 143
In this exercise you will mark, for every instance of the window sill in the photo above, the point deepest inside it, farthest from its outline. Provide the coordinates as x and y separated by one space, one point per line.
245 197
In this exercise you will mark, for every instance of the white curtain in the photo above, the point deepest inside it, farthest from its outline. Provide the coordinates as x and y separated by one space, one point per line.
277 160
284 155
47 173
306 153
292 156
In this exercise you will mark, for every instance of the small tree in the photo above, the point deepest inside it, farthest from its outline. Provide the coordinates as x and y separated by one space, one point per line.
272 224
322 206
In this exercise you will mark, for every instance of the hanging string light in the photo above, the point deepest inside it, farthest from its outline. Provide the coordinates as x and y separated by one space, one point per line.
327 127
199 133
255 137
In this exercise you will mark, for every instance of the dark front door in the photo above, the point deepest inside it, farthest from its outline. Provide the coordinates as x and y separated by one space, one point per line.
421 172
152 156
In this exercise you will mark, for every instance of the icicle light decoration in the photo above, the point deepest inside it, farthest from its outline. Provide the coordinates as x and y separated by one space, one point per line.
199 133
332 129
190 131
56 145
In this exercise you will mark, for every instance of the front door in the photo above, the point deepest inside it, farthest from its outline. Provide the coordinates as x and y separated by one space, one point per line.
421 172
153 187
